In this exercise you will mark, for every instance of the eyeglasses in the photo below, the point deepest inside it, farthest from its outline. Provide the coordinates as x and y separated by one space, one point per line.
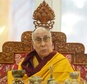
45 39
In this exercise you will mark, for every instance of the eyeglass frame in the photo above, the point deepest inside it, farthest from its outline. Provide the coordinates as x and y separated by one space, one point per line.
45 39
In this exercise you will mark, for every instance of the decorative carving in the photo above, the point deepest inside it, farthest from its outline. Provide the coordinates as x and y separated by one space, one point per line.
71 47
77 47
6 57
80 59
60 37
43 16
16 47
26 38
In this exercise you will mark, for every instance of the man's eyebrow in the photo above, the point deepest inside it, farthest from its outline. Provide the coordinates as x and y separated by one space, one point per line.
43 36
37 37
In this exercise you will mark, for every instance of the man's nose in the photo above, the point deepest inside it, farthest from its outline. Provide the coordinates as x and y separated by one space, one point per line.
42 42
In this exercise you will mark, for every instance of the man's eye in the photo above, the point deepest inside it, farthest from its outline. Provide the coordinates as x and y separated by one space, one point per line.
38 39
46 38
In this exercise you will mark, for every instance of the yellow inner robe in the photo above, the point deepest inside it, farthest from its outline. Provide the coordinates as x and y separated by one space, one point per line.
61 69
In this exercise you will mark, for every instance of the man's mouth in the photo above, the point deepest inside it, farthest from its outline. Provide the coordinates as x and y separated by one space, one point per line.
44 50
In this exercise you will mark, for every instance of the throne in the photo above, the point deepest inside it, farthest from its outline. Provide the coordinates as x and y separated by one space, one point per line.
13 52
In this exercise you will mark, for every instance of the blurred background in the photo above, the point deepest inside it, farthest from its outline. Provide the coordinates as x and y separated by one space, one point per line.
70 18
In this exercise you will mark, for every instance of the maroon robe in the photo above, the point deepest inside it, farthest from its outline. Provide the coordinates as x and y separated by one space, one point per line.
28 66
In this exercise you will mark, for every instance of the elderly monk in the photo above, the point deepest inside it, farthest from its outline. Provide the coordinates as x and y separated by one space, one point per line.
38 61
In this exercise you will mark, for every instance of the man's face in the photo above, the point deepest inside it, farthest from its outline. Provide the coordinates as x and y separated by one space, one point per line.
42 42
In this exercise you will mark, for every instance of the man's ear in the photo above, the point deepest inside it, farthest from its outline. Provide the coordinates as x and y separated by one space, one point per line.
32 44
52 46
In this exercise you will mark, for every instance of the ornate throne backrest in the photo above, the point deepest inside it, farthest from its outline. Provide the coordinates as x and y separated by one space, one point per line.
10 48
